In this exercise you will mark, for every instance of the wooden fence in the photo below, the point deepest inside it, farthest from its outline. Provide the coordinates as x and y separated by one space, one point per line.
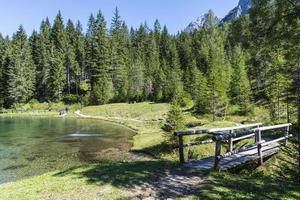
231 135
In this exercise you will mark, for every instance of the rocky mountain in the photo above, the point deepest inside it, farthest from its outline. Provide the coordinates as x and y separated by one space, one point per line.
241 9
203 21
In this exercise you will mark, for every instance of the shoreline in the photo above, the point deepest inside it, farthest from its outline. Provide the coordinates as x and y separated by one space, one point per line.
71 115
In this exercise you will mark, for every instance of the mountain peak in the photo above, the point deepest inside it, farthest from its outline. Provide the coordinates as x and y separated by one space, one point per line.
204 21
241 9
245 5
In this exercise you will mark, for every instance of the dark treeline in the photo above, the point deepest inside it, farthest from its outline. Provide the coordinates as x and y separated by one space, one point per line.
251 61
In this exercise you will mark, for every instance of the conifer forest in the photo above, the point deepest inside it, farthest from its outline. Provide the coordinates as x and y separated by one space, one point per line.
252 61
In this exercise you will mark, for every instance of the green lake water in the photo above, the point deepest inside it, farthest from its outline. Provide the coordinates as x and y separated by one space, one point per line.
35 145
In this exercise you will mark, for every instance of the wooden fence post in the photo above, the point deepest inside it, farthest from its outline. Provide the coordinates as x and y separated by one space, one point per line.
287 135
260 156
259 148
181 150
217 154
230 142
256 134
259 136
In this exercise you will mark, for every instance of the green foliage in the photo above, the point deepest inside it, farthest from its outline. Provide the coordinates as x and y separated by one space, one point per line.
244 63
174 121
240 85
136 81
101 85
57 75
118 57
20 69
70 99
202 101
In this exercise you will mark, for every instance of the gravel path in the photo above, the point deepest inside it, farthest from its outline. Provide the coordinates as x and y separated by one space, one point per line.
173 185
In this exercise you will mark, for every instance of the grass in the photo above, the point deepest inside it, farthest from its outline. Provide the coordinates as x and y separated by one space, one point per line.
276 179
106 181
117 180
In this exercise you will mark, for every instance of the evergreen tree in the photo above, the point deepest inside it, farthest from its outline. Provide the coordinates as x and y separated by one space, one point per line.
20 69
240 85
171 67
202 100
136 81
219 73
152 86
3 49
174 121
72 66
80 51
100 79
57 70
118 57
43 64
90 45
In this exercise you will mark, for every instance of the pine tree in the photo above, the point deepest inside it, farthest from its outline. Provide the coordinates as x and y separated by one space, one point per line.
187 63
43 65
136 81
202 99
100 77
174 121
118 57
152 86
72 66
170 65
57 70
80 51
3 49
20 69
219 73
240 85
90 47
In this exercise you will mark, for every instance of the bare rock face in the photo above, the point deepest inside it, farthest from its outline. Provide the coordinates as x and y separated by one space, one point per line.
241 9
204 21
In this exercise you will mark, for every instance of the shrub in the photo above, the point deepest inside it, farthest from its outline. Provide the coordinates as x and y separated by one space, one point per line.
56 106
174 121
36 105
70 99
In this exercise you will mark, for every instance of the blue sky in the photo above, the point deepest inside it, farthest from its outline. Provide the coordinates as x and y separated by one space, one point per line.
176 14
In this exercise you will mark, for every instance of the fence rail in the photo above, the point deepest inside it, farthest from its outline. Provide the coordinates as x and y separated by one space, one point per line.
230 135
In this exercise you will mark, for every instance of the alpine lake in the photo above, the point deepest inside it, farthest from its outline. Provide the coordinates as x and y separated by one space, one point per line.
32 146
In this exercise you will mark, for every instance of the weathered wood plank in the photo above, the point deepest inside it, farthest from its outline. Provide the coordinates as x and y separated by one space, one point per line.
181 150
234 160
276 140
198 143
217 154
213 130
243 137
265 128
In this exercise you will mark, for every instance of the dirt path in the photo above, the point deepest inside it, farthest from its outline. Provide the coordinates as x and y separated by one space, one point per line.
173 185
105 118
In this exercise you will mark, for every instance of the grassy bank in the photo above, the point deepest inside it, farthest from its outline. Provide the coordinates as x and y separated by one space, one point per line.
120 180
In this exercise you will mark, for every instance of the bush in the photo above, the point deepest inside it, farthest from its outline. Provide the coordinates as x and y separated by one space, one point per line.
184 99
21 107
56 106
174 121
36 105
70 99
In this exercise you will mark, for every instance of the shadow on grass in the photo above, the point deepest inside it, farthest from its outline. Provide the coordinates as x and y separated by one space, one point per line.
158 150
158 179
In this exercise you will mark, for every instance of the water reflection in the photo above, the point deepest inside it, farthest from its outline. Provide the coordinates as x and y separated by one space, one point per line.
31 146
